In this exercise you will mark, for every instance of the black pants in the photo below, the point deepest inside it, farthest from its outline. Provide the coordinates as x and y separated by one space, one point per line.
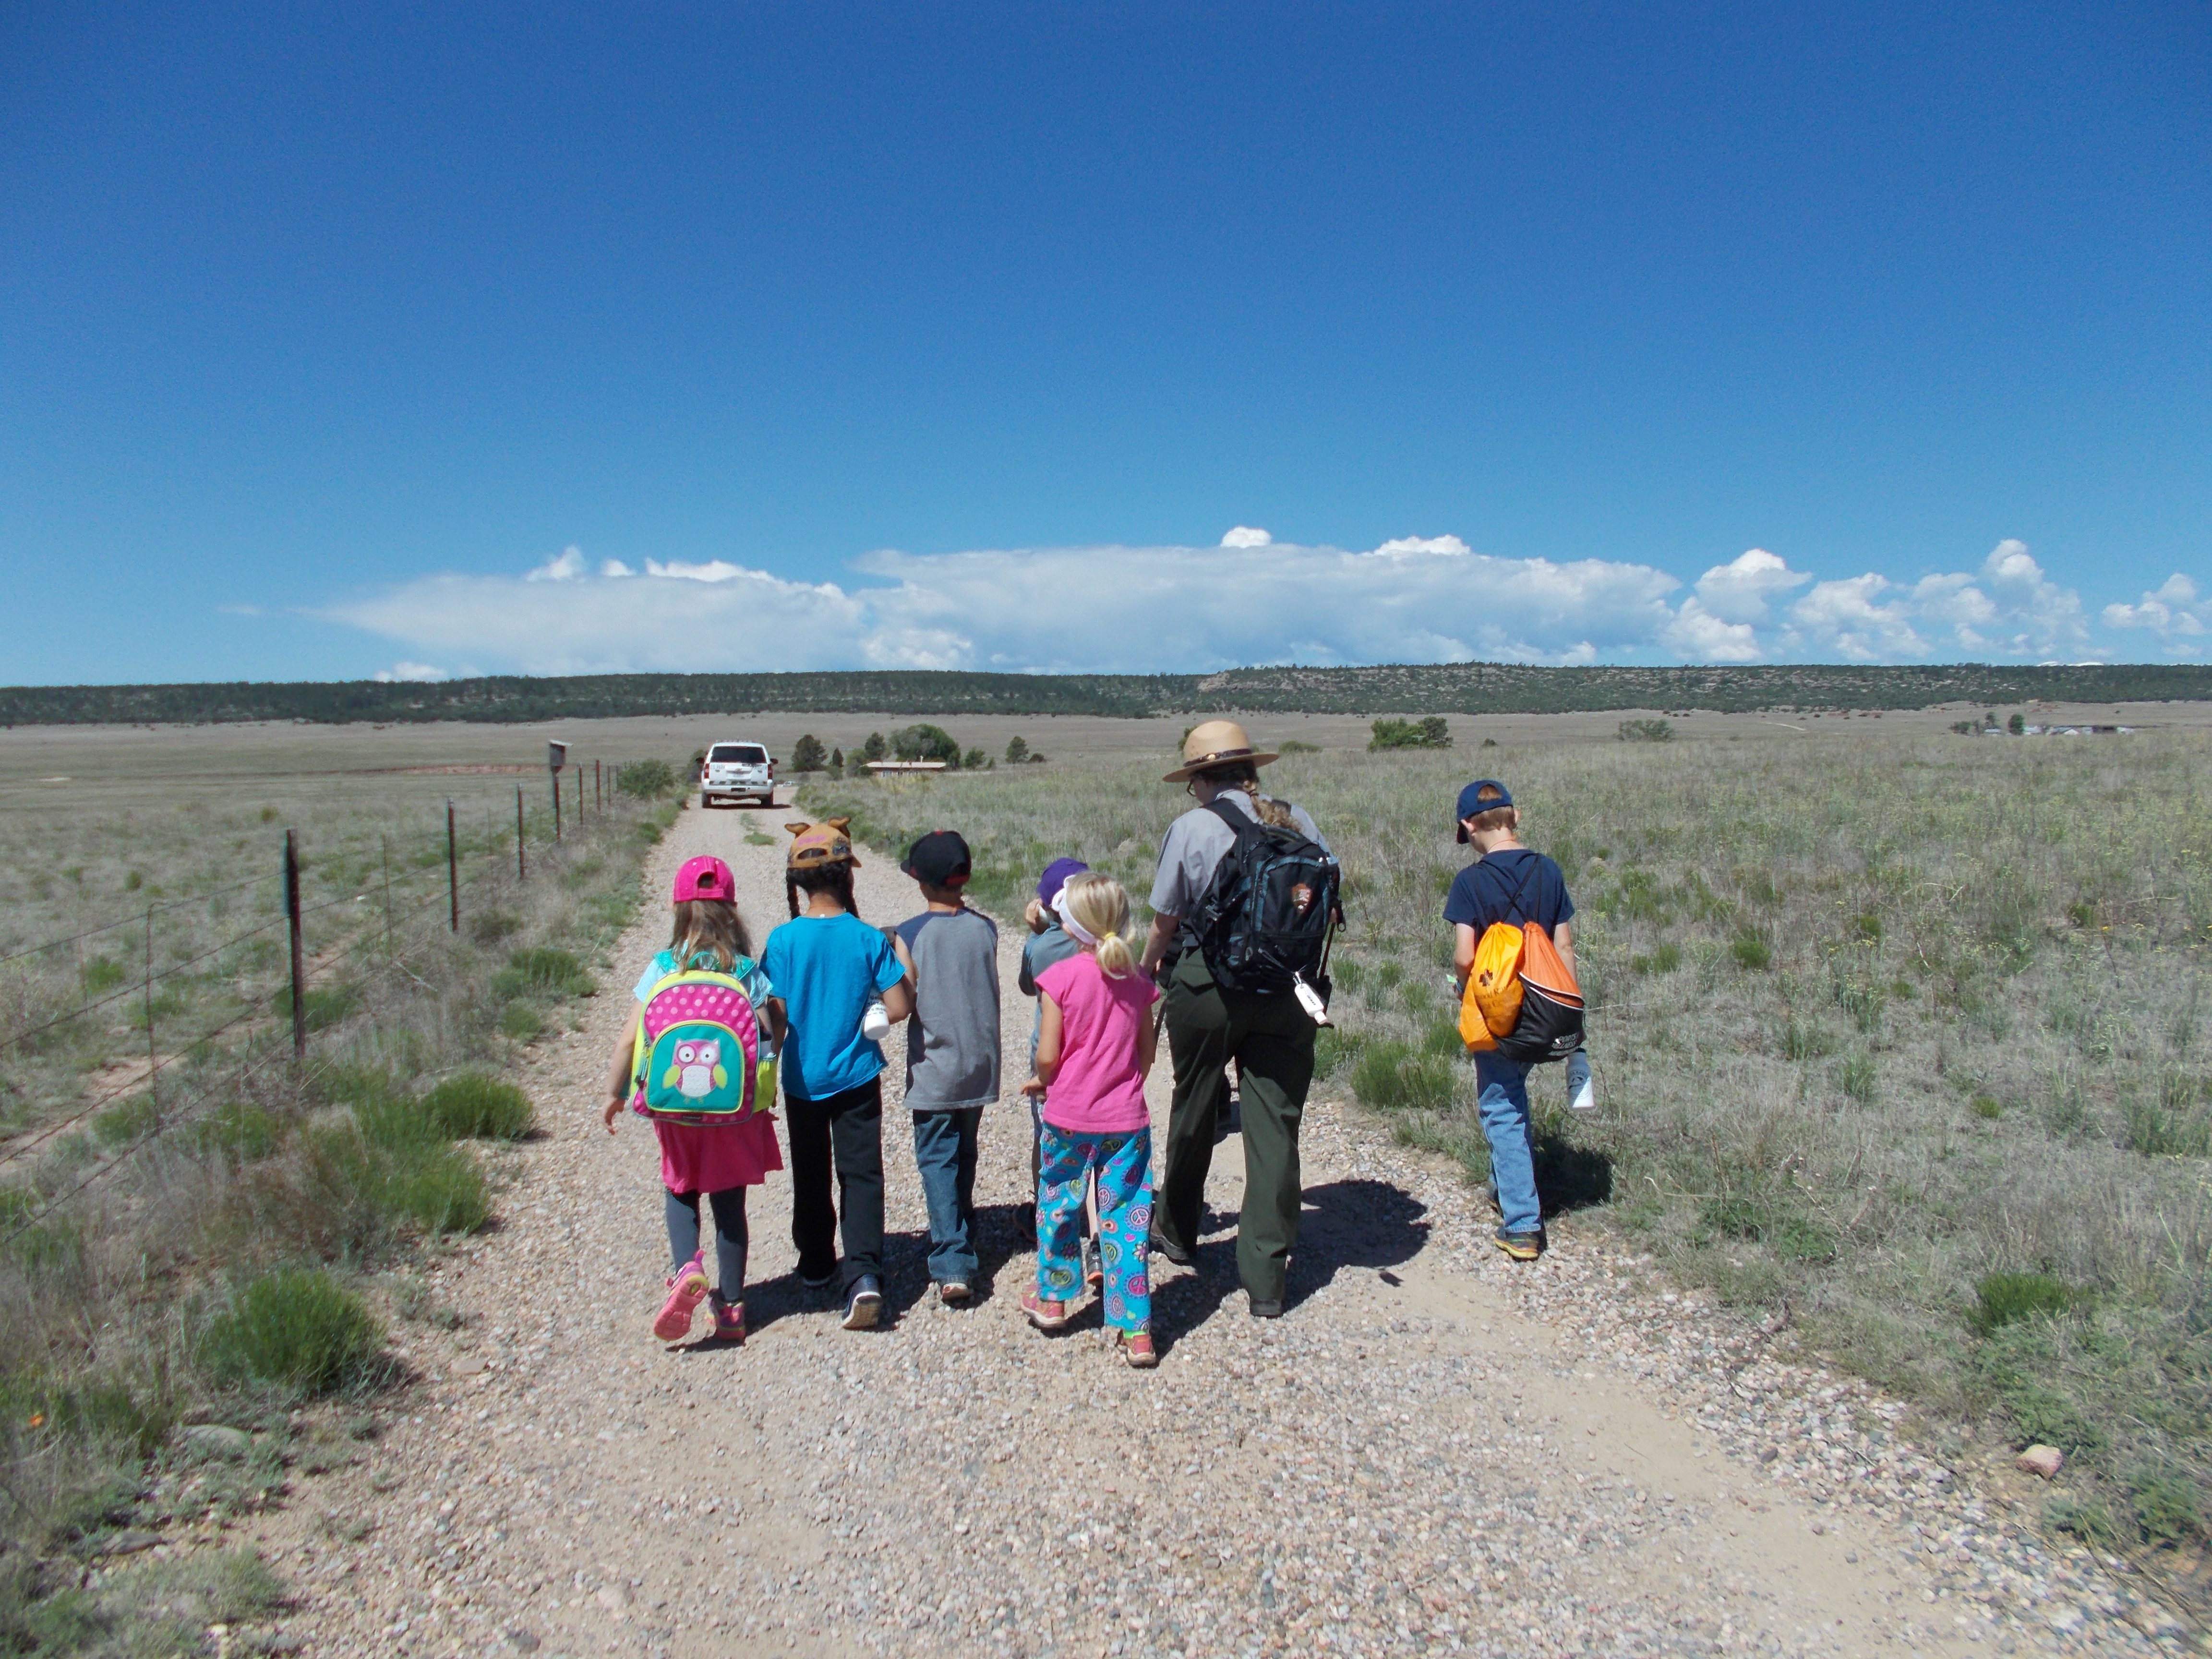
849 1128
1272 1040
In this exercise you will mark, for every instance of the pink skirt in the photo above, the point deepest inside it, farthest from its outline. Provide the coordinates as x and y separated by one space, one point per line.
713 1158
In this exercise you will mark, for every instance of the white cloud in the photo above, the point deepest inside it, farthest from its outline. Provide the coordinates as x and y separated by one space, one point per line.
1738 592
411 671
566 566
1245 536
2171 614
1115 609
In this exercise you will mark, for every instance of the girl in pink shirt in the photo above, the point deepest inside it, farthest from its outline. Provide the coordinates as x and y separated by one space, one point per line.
1095 1042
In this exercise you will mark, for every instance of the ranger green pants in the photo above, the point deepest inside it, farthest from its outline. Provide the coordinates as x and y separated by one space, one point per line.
1272 1040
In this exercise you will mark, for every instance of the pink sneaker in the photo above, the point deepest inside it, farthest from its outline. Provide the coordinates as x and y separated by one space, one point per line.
687 1289
729 1320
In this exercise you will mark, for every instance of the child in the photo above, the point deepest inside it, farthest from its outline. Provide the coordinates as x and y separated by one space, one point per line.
1048 943
1097 1045
1506 883
718 1159
829 966
951 954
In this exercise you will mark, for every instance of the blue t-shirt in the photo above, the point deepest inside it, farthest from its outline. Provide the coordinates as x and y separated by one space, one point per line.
828 969
1483 893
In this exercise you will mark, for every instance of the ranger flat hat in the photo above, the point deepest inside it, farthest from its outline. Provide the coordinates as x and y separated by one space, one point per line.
1215 743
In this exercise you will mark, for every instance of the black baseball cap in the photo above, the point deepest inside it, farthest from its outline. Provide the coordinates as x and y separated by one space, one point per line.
939 858
1471 803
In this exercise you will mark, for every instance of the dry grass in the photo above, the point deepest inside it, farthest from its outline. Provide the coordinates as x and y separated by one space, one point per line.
226 1245
1877 1017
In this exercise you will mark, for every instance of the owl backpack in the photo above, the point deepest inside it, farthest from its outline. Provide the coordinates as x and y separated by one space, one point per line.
696 1056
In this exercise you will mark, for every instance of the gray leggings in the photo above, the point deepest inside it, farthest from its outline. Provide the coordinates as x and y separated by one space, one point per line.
683 1211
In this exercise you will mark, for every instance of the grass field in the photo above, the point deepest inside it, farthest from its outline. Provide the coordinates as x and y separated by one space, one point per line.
1902 1033
227 1239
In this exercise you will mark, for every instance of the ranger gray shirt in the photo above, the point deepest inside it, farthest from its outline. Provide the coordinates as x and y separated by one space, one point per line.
952 1040
1194 845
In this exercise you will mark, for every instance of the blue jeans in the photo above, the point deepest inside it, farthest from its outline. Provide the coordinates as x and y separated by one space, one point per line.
1505 1108
945 1151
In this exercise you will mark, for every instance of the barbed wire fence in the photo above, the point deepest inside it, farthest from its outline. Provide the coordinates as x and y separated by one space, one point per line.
407 904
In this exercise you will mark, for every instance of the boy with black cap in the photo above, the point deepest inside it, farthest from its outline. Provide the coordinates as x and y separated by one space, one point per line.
1507 882
951 954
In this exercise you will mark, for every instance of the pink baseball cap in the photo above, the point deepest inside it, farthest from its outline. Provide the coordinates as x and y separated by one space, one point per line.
705 878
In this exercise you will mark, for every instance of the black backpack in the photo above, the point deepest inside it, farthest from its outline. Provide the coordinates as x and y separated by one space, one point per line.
1271 910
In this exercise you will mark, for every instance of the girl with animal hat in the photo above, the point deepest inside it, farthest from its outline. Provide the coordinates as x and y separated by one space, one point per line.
829 966
684 1064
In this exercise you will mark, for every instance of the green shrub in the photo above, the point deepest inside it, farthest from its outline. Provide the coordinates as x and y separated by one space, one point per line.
2155 1131
1663 960
126 1121
2166 1505
1988 1106
1751 951
325 1004
245 1131
1856 1077
1334 1046
472 1106
520 1021
1645 732
295 1328
645 780
492 925
2001 1298
1432 733
548 972
2090 1519
1770 1218
101 975
1389 1077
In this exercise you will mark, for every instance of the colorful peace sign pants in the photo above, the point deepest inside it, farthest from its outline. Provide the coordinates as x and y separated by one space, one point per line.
1123 1164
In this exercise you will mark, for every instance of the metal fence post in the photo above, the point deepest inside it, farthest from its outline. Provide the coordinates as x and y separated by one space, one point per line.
153 1060
521 863
298 968
452 866
557 809
598 799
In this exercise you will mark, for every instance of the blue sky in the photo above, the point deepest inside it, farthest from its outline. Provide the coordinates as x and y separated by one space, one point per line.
961 336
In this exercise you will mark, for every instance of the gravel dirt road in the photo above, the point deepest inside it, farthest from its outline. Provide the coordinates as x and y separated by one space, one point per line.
1433 1451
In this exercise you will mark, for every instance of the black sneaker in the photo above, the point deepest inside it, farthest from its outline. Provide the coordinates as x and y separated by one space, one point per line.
1094 1271
865 1305
1262 1309
822 1283
1522 1247
1174 1253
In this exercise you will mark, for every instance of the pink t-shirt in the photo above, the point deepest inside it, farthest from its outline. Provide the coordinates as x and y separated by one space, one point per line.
1097 1089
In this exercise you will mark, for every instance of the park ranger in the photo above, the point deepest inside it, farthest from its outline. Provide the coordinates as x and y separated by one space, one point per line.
1268 1036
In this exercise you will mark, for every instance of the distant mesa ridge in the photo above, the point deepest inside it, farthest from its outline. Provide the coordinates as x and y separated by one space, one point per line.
1443 688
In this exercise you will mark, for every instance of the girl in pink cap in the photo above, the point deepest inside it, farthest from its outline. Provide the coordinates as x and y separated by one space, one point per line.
720 1160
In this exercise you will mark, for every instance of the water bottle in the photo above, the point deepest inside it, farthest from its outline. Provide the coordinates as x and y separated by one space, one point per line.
764 1078
876 1023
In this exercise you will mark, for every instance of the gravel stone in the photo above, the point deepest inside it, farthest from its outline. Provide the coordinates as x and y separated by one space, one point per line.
1434 1451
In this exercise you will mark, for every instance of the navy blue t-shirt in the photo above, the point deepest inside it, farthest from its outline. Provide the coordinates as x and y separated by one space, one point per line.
1483 893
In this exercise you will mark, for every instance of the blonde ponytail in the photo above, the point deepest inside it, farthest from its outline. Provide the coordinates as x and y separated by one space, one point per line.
1102 905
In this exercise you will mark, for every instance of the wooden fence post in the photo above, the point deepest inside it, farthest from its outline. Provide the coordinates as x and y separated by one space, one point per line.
452 866
521 864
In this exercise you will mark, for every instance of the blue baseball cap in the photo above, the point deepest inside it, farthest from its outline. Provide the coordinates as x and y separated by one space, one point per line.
1055 877
1471 804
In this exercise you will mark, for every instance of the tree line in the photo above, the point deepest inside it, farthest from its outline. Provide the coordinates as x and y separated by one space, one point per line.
1446 688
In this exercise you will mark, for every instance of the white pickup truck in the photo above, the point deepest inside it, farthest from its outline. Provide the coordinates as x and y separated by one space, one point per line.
735 771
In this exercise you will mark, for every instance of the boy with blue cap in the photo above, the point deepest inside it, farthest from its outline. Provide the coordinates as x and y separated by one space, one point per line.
1508 882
